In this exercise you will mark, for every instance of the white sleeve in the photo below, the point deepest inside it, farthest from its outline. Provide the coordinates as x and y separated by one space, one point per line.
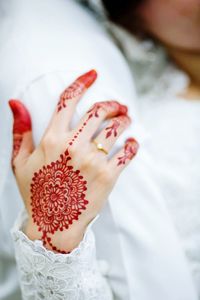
47 275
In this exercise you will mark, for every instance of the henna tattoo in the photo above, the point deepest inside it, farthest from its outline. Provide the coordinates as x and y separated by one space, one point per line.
22 124
57 197
94 111
76 89
17 140
112 129
73 91
58 191
130 149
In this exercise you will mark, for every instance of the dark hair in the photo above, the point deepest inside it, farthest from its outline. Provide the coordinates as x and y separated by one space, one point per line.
125 13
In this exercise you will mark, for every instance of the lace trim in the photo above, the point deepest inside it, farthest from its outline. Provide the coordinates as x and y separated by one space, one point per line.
54 276
37 245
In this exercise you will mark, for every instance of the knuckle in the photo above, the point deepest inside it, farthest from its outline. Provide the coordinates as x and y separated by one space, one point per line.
104 175
48 141
89 162
104 108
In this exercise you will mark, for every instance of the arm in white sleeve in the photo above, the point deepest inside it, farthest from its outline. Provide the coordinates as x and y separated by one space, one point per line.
48 275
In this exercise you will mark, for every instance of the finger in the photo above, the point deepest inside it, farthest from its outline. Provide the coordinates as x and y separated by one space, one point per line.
99 112
68 100
124 156
22 131
108 136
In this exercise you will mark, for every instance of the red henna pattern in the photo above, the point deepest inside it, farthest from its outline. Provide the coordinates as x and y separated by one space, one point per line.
22 124
94 111
73 91
112 129
17 140
57 197
77 88
58 191
130 150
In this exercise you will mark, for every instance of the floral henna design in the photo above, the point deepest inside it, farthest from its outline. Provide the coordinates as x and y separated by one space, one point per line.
73 91
76 89
57 197
58 191
94 111
112 130
130 150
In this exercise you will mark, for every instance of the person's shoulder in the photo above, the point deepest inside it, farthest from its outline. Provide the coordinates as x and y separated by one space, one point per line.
48 24
51 35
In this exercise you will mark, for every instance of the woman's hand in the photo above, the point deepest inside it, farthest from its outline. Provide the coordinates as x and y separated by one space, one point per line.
66 180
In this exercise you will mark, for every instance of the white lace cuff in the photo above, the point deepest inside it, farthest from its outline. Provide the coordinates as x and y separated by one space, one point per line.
48 275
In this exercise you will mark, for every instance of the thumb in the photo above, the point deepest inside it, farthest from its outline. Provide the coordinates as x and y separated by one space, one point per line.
22 131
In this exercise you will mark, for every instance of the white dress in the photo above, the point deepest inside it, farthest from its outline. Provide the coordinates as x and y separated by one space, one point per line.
140 249
174 124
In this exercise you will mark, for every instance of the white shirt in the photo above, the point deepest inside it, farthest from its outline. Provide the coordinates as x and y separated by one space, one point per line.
45 45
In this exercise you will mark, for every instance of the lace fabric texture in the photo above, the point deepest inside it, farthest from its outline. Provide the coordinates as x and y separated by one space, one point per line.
47 275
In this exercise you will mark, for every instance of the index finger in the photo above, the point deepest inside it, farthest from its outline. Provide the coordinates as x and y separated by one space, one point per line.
68 100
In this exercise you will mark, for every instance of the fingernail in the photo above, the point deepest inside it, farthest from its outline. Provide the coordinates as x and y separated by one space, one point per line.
123 109
134 145
22 120
88 78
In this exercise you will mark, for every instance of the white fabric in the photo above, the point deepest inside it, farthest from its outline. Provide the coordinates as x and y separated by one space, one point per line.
45 45
46 275
178 159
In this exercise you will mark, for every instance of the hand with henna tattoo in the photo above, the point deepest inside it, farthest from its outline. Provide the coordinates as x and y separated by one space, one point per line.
66 180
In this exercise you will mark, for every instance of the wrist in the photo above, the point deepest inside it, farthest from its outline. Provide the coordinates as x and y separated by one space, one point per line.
66 240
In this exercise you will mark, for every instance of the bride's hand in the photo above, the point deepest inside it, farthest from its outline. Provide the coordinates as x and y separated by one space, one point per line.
66 180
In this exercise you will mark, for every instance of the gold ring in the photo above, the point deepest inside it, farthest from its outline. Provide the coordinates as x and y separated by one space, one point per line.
100 147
